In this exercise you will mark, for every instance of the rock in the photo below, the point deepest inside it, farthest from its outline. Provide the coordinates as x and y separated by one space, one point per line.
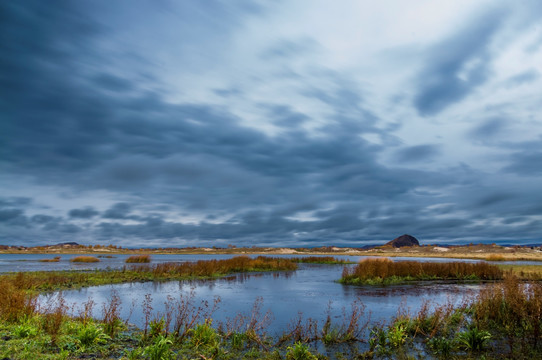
404 240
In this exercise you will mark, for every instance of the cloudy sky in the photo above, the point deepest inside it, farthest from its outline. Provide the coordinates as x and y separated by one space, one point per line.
273 123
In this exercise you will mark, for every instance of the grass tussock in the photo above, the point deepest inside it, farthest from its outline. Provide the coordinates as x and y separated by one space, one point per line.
85 259
384 270
139 259
55 259
495 257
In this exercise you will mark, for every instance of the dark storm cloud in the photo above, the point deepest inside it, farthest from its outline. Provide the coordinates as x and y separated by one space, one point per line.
85 213
526 163
14 201
118 211
417 153
10 214
113 83
457 65
41 219
75 121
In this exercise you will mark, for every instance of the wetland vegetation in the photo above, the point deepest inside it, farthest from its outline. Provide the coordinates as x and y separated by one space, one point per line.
385 271
502 320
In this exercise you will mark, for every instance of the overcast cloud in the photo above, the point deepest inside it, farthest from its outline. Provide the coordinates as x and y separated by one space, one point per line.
272 123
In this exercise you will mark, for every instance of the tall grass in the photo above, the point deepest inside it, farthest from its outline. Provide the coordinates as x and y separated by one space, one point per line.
85 259
206 268
370 269
514 310
16 303
139 259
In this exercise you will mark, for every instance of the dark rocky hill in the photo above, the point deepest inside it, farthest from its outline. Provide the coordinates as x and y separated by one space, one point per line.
404 240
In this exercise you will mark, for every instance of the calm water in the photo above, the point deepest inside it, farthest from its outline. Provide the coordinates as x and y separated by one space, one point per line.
307 291
310 291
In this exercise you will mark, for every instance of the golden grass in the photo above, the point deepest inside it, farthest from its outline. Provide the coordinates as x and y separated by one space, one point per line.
385 268
85 259
139 259
495 257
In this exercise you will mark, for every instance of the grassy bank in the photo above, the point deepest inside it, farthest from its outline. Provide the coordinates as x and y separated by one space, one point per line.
58 280
386 271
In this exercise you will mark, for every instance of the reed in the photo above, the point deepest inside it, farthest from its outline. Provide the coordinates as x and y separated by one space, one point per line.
85 259
139 259
513 309
382 270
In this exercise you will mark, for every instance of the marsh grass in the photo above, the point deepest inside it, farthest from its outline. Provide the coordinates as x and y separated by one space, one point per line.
139 259
383 270
58 280
502 321
85 259
55 259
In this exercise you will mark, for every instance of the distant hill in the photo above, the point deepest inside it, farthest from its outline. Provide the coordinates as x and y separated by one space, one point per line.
404 240
71 243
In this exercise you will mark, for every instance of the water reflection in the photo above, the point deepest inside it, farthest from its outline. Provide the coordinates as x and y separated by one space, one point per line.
309 291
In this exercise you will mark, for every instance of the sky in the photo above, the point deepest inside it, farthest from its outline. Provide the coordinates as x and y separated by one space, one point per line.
270 123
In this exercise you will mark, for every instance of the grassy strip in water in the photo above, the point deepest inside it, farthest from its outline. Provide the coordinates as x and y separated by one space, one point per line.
57 280
385 271
139 259
85 259
320 260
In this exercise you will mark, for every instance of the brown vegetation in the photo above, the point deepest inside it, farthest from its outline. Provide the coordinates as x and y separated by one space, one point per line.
85 259
55 259
384 268
15 302
495 257
139 259
218 267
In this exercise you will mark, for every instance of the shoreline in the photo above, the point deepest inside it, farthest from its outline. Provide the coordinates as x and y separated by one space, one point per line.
475 252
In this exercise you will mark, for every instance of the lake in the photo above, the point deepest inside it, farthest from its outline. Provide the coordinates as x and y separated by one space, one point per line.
310 292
